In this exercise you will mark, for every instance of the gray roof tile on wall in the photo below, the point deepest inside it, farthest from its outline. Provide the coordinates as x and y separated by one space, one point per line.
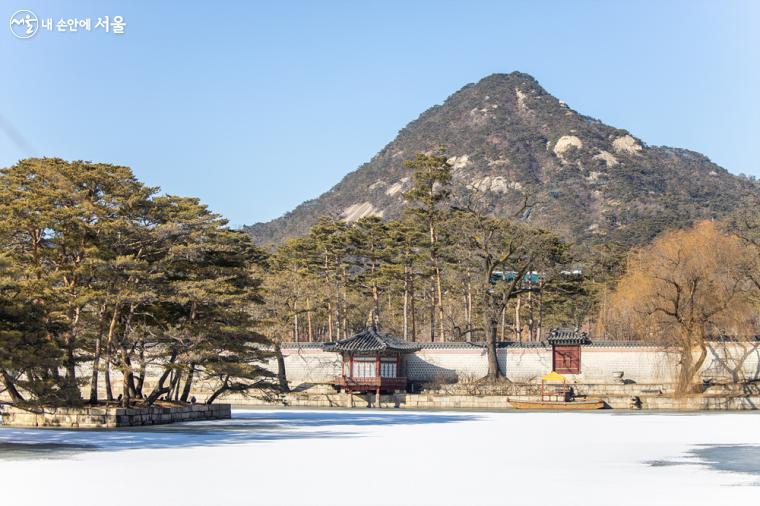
371 340
452 345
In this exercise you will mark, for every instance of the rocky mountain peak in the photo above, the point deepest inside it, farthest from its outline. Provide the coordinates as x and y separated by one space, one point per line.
505 136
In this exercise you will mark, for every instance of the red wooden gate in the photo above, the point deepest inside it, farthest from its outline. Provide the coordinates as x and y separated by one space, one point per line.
566 359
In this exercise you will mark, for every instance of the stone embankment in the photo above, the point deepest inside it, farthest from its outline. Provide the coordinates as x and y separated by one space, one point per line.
617 396
92 417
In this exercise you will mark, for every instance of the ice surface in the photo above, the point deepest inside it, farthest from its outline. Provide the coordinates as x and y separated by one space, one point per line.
359 457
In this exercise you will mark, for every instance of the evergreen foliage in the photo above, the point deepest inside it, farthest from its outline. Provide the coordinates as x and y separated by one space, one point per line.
100 273
429 275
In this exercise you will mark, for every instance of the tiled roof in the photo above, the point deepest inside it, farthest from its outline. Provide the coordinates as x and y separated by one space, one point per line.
567 336
458 345
304 346
462 345
372 340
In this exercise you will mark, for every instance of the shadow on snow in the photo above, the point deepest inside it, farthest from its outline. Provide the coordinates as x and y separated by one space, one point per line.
744 459
244 427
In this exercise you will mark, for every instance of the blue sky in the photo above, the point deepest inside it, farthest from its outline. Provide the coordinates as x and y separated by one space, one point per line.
258 106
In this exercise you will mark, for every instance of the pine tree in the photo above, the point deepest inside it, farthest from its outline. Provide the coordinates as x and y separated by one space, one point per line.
428 196
405 240
106 271
368 248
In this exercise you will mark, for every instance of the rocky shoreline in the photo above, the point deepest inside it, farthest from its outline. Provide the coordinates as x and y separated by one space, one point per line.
92 417
615 396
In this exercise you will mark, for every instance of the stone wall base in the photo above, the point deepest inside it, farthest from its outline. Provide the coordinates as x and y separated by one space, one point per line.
91 417
654 397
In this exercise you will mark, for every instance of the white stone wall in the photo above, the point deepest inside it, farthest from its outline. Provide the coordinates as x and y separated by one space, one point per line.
642 364
735 361
528 364
726 362
446 365
308 365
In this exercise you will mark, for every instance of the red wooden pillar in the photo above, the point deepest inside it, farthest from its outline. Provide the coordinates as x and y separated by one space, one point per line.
379 380
398 365
351 365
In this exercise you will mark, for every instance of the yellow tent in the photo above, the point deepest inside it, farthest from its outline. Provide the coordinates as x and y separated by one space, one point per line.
554 377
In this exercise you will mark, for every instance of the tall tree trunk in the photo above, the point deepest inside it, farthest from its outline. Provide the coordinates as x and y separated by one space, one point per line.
160 389
72 392
432 312
188 383
107 374
282 378
141 374
126 372
466 316
338 322
10 387
295 322
344 302
95 368
96 358
405 324
329 322
690 368
539 334
412 310
531 320
376 300
439 300
128 381
468 305
494 371
503 322
308 320
175 389
225 386
109 346
72 388
436 273
518 324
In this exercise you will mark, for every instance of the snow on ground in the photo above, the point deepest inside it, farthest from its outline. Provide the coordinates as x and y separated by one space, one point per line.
360 457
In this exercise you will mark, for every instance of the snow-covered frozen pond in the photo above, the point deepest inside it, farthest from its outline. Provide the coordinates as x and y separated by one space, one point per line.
357 457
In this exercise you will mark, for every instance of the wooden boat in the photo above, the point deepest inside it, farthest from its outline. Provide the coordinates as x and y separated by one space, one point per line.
559 405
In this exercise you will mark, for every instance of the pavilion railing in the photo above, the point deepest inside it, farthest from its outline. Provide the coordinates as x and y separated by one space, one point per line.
397 383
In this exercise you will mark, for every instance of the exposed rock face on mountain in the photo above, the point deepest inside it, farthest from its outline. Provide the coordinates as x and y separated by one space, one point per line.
507 136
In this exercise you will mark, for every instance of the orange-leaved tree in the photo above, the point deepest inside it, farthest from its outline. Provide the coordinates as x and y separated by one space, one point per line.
685 288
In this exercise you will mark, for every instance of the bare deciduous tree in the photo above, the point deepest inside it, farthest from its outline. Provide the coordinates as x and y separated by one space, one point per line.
686 287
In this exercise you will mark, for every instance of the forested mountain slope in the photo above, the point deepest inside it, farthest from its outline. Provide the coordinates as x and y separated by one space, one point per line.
507 136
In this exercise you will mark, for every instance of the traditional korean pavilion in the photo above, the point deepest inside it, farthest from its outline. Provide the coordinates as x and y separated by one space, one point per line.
371 361
566 349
